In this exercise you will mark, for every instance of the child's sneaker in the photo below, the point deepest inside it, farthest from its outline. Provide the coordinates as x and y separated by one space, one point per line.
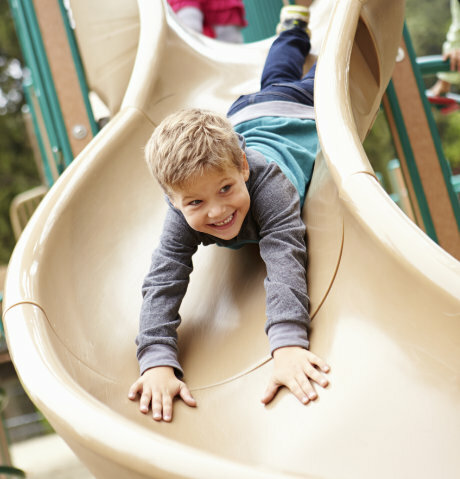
294 16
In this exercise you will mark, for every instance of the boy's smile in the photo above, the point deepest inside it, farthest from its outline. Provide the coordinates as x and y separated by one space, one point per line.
216 202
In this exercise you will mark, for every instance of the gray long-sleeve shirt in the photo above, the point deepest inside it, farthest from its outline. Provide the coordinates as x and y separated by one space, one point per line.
273 221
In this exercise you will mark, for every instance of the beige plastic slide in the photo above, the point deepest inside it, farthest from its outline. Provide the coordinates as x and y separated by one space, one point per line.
385 298
107 32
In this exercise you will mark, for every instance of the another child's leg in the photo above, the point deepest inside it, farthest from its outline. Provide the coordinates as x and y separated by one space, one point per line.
226 18
191 17
229 33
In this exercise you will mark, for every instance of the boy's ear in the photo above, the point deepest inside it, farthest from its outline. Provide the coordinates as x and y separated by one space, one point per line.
172 199
245 167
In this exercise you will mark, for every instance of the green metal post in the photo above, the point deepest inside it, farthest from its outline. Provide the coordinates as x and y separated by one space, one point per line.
26 44
48 84
79 68
28 87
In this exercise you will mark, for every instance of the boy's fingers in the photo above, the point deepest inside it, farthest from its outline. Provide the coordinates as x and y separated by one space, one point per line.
323 366
133 390
145 401
314 359
167 408
309 394
270 392
314 374
157 407
298 391
186 396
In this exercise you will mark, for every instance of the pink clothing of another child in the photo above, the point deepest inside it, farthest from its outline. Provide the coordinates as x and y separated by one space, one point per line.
215 12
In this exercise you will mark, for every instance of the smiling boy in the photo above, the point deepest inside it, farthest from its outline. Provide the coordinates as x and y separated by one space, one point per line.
216 202
231 182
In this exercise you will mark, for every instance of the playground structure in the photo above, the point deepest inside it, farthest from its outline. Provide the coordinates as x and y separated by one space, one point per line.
385 298
71 70
434 201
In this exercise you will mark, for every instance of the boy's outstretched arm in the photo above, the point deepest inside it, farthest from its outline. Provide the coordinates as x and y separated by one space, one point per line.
294 367
159 386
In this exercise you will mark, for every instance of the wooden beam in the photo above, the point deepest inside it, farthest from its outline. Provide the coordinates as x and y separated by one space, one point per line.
63 71
425 156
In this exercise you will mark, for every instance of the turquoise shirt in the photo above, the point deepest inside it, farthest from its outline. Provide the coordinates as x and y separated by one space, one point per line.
292 143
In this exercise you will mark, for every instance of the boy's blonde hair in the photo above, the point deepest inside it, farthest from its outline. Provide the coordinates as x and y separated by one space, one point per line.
189 143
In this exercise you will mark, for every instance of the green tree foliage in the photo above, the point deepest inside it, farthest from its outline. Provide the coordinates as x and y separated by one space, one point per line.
17 168
428 22
379 146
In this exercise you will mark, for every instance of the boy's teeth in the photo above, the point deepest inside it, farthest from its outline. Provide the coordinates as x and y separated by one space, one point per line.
222 223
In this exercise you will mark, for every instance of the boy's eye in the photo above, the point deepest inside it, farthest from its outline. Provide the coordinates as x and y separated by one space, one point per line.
195 202
225 188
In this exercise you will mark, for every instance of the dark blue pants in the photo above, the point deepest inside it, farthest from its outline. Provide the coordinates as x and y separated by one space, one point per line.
282 74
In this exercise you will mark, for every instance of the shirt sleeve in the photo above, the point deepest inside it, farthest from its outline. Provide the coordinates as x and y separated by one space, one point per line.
163 290
282 247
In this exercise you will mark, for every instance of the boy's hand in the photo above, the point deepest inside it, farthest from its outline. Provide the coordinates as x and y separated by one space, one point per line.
160 386
294 367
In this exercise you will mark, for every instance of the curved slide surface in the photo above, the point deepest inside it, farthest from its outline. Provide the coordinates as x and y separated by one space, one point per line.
385 299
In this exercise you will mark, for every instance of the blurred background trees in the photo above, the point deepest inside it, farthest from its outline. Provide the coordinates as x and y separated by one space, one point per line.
17 167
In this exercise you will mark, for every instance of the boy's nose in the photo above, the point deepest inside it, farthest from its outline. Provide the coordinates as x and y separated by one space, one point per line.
215 211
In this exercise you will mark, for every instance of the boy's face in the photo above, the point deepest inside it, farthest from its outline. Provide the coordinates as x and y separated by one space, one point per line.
217 202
